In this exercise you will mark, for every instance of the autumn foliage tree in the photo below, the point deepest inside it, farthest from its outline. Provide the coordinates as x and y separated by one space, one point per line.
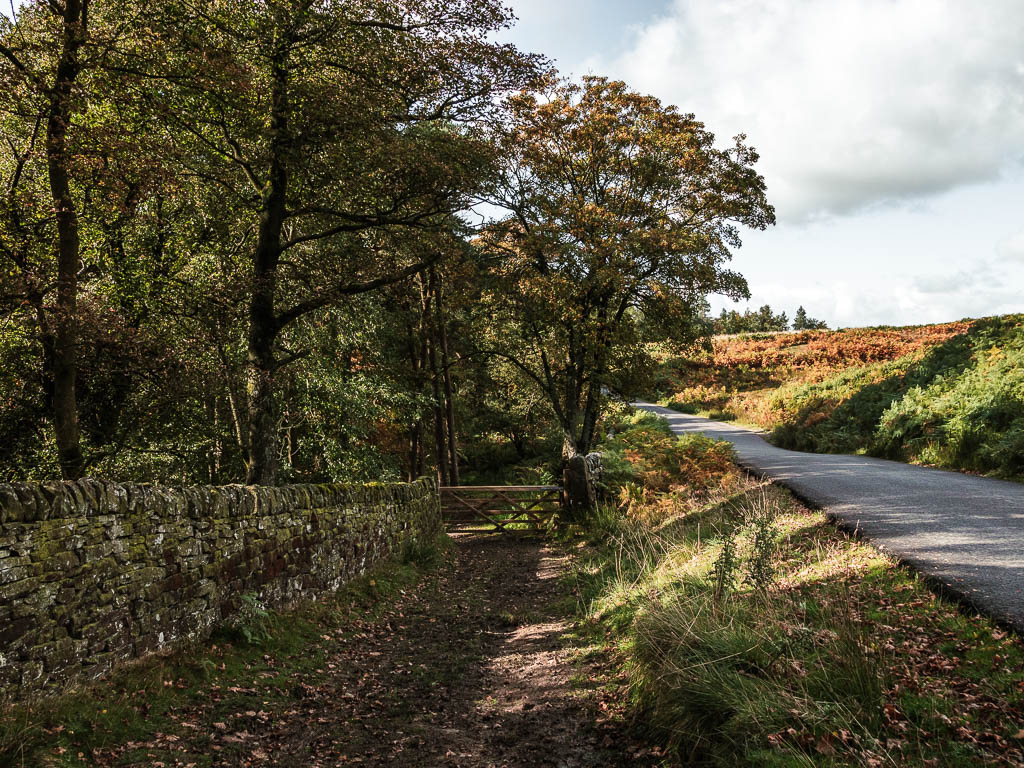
620 215
233 241
68 186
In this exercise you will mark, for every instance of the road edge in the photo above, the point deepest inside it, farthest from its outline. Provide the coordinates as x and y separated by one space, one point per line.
952 594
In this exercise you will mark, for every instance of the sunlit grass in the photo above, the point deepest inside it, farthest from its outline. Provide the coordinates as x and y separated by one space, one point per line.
845 659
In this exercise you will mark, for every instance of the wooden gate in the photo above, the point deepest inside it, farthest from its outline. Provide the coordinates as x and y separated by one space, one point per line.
499 508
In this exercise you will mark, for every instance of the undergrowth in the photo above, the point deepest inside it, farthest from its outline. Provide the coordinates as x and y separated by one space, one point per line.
949 395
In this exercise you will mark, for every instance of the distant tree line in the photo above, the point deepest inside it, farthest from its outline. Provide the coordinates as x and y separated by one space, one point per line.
764 320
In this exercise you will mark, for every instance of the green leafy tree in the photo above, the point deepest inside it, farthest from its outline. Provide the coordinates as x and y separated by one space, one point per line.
69 190
767 320
42 59
763 320
801 322
339 135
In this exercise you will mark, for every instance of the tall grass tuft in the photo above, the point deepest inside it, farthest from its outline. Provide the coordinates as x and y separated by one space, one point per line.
725 661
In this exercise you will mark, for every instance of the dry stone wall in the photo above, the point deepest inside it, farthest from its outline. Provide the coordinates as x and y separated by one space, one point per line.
93 573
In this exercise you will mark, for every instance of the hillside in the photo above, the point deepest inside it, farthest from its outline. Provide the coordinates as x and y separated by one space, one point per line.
948 395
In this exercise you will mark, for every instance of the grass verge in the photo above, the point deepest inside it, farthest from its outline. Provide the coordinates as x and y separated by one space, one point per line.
751 632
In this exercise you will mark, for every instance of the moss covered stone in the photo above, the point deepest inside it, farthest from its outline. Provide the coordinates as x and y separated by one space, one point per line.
95 572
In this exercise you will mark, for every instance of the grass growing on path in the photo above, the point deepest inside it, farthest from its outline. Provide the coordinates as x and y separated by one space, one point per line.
754 633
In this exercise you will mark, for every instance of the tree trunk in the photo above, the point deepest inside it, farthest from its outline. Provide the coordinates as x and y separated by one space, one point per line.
422 458
591 413
262 418
453 447
415 466
568 443
415 440
213 453
65 316
518 442
440 444
580 500
263 322
236 407
570 430
594 384
449 400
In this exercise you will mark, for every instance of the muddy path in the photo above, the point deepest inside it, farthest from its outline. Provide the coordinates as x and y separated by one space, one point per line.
478 674
470 668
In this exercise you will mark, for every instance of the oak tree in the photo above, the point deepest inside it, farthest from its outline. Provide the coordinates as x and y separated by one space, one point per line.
620 214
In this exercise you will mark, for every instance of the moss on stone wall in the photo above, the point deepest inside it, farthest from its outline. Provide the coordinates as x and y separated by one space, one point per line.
93 573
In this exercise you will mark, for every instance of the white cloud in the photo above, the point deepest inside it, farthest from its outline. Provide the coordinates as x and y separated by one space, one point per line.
892 302
851 103
949 282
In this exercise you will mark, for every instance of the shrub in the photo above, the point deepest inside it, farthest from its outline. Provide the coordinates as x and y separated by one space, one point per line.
254 622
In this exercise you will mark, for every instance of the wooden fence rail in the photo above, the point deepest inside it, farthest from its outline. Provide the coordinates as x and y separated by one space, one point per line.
500 507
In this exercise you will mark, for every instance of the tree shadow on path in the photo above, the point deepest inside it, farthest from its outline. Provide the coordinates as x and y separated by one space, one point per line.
473 671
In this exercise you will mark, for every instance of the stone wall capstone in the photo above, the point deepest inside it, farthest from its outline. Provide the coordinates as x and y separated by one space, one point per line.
93 573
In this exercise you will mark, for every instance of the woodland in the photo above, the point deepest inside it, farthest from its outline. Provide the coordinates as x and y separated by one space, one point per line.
311 240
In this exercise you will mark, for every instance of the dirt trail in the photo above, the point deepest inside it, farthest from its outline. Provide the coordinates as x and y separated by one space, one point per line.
468 669
472 672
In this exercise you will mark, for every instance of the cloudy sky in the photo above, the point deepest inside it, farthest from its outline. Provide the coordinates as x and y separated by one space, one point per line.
891 135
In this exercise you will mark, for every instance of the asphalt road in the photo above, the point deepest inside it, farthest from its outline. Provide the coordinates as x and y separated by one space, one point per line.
965 533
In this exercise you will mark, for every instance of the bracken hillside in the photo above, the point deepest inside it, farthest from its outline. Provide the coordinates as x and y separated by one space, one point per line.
948 395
